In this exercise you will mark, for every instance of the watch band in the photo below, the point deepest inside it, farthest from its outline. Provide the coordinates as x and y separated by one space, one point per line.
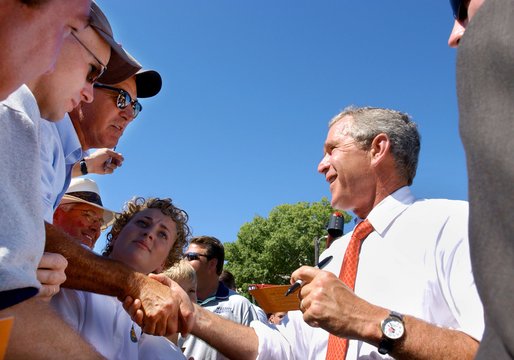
83 167
386 344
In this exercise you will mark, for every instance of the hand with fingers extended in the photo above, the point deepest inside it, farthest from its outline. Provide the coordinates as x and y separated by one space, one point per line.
328 303
161 308
50 274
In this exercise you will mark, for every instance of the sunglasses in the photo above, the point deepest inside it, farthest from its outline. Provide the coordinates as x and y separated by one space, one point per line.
95 71
124 99
460 10
190 256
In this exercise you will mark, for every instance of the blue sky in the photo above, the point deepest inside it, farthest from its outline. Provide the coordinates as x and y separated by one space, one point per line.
249 87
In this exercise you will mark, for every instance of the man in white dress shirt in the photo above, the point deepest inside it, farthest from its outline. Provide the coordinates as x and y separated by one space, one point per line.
413 273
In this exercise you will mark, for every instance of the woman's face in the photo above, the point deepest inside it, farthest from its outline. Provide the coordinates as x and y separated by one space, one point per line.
145 242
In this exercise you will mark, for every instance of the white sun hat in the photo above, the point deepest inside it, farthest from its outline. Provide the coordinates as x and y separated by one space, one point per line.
86 191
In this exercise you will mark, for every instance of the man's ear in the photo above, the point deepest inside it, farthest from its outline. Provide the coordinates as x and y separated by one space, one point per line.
213 263
380 148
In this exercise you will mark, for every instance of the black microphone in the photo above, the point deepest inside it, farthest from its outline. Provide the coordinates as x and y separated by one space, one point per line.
335 227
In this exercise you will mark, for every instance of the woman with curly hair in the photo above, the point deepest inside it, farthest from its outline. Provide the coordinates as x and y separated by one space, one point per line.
139 217
149 236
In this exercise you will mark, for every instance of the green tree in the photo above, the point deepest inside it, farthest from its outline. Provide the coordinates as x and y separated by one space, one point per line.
268 250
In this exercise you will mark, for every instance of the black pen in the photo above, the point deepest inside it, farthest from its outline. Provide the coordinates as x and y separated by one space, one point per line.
299 282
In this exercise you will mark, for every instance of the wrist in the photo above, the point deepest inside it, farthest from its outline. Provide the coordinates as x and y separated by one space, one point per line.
371 331
83 167
133 285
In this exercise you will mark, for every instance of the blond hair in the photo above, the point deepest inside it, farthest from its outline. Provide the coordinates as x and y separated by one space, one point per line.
181 270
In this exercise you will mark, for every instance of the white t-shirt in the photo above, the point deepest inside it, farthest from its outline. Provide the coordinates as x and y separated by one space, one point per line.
102 322
21 222
416 262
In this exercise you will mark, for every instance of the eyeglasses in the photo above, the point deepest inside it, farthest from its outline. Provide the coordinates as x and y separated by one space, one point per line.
460 10
96 71
124 99
90 216
190 256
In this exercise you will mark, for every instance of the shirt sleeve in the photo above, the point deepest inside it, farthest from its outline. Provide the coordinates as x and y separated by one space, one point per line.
272 344
456 277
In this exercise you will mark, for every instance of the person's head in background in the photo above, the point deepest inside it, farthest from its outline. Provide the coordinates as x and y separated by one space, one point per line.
276 317
148 235
31 35
228 279
463 12
206 255
85 57
81 213
183 274
101 123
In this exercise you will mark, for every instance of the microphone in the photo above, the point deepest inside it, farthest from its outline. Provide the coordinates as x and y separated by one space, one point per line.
335 227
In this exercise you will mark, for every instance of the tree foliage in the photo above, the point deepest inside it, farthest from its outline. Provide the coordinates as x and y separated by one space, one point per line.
268 250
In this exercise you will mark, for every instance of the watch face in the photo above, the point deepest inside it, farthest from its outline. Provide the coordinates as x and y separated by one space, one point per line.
393 328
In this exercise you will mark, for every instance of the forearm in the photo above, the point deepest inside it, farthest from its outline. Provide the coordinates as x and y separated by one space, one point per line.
90 272
222 334
426 341
422 341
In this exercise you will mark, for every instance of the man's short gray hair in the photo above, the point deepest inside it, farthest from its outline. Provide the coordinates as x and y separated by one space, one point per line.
368 122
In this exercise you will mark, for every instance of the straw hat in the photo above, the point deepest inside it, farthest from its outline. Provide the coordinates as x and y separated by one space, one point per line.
82 190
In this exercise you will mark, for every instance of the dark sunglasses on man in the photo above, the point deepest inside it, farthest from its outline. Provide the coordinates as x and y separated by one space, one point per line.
190 256
460 9
124 99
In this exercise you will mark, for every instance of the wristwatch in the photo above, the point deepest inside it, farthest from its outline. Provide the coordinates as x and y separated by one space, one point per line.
83 167
393 330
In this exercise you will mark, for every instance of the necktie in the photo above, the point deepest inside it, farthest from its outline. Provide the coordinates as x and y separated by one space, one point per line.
337 346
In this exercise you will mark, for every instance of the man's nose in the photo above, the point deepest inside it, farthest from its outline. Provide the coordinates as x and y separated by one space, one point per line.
456 34
324 164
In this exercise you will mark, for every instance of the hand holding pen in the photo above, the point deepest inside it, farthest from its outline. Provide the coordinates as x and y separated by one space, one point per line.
103 161
298 283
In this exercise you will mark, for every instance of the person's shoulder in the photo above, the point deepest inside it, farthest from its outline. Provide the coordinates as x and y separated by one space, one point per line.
234 296
442 205
22 101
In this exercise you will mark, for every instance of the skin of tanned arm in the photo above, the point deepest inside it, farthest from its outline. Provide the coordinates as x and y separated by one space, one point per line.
166 310
222 334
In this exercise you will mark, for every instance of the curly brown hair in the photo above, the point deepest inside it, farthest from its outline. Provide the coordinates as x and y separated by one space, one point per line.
167 207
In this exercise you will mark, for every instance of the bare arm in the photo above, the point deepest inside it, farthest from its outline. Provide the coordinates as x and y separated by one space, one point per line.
102 161
215 330
329 304
166 311
222 334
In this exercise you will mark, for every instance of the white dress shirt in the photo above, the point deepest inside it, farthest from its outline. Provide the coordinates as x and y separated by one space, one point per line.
415 262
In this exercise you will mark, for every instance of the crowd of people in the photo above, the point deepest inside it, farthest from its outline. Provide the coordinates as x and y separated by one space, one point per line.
415 278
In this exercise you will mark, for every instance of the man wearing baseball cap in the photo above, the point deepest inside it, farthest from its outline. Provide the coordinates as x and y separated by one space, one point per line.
81 62
166 311
31 35
57 94
100 124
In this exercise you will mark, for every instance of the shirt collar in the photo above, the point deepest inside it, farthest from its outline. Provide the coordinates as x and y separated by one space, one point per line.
70 141
221 294
383 214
